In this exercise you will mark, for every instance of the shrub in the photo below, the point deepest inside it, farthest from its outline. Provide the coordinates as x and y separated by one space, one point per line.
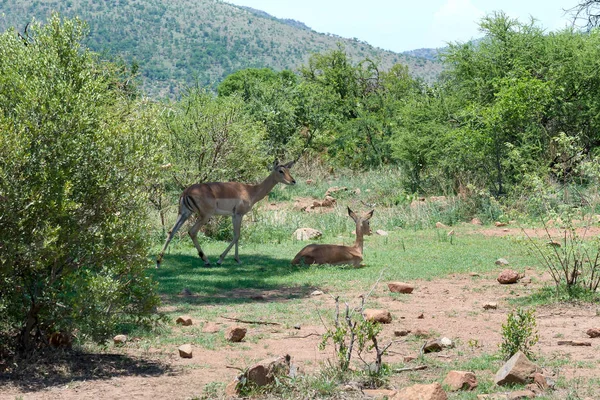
519 333
76 148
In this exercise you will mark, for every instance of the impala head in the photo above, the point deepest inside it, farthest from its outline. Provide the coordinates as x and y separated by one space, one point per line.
362 221
281 172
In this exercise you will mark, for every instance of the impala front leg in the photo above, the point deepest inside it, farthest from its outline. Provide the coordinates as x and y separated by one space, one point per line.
237 224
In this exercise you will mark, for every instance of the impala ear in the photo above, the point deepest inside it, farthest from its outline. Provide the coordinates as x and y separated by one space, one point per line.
369 215
352 214
290 164
275 164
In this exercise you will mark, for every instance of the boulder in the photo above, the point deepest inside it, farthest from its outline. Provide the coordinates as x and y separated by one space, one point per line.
235 333
120 340
518 369
265 372
307 234
185 351
433 391
184 320
593 332
400 287
460 380
374 315
508 276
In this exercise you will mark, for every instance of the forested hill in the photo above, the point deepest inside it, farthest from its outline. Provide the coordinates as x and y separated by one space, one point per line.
178 42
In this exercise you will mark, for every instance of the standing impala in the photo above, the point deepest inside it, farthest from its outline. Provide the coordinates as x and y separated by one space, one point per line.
224 198
337 254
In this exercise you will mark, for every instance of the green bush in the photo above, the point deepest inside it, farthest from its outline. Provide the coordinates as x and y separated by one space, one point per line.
76 150
519 333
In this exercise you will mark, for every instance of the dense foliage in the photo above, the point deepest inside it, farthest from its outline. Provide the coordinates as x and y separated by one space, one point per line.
76 151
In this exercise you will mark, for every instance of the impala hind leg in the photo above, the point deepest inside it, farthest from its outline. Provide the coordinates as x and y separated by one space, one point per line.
181 218
194 235
237 225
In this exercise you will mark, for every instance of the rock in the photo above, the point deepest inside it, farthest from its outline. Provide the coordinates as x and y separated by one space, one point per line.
593 332
508 276
317 293
374 315
476 221
408 359
501 261
400 287
120 340
184 320
457 380
379 394
518 369
499 224
235 333
446 343
431 391
422 333
403 332
474 274
541 382
573 343
335 189
553 243
491 305
185 292
185 351
516 395
310 181
65 340
440 225
306 234
210 327
381 232
357 192
421 316
265 372
438 345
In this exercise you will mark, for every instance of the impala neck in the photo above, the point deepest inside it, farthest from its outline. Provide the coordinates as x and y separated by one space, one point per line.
258 192
359 237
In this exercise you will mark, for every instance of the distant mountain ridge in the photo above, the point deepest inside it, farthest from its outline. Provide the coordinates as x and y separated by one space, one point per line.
177 43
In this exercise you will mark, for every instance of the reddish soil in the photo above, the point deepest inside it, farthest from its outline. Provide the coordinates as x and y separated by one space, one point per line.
450 307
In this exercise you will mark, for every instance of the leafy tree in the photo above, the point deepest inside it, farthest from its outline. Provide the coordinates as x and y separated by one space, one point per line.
76 148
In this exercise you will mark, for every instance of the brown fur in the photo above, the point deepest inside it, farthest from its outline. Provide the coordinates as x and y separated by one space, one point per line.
223 198
337 254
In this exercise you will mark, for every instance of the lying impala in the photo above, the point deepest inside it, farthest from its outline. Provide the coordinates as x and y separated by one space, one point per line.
224 198
337 254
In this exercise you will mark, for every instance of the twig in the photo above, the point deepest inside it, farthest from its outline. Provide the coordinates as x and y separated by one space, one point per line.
302 337
238 368
250 322
417 368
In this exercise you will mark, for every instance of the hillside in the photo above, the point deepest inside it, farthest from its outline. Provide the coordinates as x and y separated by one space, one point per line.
177 43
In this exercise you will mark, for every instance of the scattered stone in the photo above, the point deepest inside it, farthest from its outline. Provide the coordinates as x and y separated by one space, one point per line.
424 333
335 189
185 292
381 232
265 371
356 192
501 261
440 225
476 221
403 332
310 181
553 243
573 343
400 287
474 274
433 391
64 340
593 332
210 327
184 320
499 224
541 382
518 369
120 340
508 276
297 327
306 234
408 359
516 395
235 334
379 394
374 315
491 305
446 343
317 293
421 316
432 346
185 351
460 380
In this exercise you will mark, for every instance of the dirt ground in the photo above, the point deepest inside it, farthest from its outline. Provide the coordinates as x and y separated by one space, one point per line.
450 307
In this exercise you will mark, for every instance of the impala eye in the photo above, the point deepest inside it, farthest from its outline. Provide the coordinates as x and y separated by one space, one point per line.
281 171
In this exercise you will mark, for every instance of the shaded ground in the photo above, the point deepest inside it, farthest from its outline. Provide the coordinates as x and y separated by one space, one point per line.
451 307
